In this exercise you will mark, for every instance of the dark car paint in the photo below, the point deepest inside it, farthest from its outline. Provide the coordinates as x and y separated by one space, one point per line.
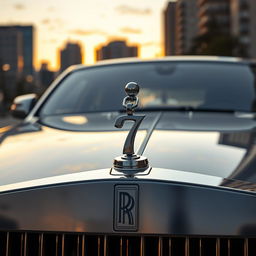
212 153
216 144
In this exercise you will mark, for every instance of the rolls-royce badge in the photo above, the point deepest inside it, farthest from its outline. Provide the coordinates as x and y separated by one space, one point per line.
130 162
126 208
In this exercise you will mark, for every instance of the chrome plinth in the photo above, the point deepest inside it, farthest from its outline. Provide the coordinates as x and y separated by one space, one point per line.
131 163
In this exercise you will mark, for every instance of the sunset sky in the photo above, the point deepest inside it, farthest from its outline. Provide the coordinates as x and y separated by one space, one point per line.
90 22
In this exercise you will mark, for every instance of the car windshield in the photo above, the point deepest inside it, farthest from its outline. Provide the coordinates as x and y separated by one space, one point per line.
219 86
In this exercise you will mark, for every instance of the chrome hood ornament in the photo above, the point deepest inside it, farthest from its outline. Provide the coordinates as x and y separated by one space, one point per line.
130 162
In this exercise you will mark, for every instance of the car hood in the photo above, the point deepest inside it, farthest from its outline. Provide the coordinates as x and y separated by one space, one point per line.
214 144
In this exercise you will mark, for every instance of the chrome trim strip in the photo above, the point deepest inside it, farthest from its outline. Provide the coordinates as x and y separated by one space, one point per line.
78 245
121 246
187 246
127 247
246 248
41 245
200 247
7 243
25 244
160 246
170 246
105 246
229 248
218 247
83 245
56 244
142 246
156 174
63 245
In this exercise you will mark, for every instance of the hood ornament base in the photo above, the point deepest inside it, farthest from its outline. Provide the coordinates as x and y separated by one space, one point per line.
134 163
130 163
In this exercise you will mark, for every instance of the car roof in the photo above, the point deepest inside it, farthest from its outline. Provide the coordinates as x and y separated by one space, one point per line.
184 58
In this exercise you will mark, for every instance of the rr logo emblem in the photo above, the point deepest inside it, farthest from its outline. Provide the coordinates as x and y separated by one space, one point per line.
126 205
126 208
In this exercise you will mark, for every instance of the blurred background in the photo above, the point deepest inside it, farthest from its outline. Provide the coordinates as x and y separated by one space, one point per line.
40 39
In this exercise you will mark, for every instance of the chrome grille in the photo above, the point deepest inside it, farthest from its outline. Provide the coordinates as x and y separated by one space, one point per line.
47 244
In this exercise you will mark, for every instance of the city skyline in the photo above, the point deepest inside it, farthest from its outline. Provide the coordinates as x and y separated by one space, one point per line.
89 23
116 49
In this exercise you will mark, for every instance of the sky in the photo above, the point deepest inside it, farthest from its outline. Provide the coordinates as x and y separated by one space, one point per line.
90 22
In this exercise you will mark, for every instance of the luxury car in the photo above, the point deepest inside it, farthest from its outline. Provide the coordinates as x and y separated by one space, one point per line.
134 157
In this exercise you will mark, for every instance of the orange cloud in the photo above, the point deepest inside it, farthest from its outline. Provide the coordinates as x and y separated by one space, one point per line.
126 9
82 32
151 44
51 9
19 6
46 21
129 30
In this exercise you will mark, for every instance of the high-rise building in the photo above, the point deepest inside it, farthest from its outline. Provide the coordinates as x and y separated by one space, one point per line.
45 76
26 37
189 19
243 20
180 26
116 49
11 61
70 55
214 14
169 29
16 59
186 25
27 48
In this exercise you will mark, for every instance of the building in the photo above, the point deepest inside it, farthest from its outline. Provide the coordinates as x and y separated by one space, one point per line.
180 26
11 61
26 37
231 17
169 29
187 22
70 55
116 49
16 59
214 14
27 48
46 76
243 24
